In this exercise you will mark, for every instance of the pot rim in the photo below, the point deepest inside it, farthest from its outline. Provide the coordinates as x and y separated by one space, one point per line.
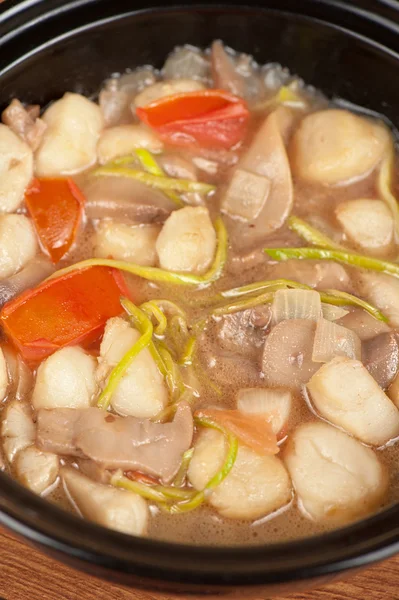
56 530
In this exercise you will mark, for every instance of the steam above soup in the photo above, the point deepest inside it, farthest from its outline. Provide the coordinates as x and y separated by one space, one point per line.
199 302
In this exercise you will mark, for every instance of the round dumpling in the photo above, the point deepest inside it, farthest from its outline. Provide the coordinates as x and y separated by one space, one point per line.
18 244
335 146
256 486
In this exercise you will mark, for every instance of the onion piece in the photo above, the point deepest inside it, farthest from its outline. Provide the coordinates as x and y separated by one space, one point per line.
246 195
296 304
32 274
334 340
19 374
273 404
333 313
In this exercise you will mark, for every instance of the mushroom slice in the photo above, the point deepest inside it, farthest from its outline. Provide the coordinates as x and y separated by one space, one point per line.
114 508
287 355
345 393
382 291
255 487
337 479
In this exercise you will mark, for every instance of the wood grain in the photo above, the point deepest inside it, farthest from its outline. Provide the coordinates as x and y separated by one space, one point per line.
26 574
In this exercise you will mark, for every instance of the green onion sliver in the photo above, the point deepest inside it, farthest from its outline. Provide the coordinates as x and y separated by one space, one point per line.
231 455
338 298
162 183
161 275
152 310
155 493
251 302
259 286
312 235
182 472
150 165
119 371
346 258
186 358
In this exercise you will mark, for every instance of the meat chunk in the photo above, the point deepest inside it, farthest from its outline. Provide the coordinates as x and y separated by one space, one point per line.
187 241
16 169
381 358
29 128
322 276
37 470
187 62
363 324
117 442
17 428
131 243
335 146
337 479
256 485
105 505
18 244
69 144
66 379
346 394
142 391
124 139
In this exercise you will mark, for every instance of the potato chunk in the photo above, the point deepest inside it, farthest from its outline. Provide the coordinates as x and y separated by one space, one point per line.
256 485
17 428
141 392
337 479
106 505
132 243
37 470
124 139
166 88
69 144
368 224
335 146
66 379
18 244
16 169
345 393
187 241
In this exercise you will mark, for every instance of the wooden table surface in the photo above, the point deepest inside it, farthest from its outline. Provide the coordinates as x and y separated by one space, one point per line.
26 574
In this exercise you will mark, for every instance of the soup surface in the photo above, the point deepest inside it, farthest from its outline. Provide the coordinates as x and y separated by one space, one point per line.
199 301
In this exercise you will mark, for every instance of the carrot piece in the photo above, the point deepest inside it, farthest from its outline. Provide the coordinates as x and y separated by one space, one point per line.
210 118
252 430
71 309
56 208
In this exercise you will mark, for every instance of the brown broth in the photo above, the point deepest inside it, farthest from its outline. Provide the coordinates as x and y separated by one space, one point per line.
316 204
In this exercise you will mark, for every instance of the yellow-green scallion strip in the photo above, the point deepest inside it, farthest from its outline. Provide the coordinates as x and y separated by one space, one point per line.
335 297
259 286
312 235
156 493
182 472
231 455
186 358
346 258
152 310
158 182
173 376
161 275
149 163
119 371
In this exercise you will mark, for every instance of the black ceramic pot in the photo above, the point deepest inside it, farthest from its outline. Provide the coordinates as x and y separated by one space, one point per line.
50 46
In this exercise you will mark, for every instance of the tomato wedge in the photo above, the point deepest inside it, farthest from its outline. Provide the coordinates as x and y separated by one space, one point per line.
71 309
210 118
252 430
56 208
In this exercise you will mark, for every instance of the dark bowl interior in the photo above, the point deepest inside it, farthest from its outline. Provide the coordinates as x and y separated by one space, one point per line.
48 47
